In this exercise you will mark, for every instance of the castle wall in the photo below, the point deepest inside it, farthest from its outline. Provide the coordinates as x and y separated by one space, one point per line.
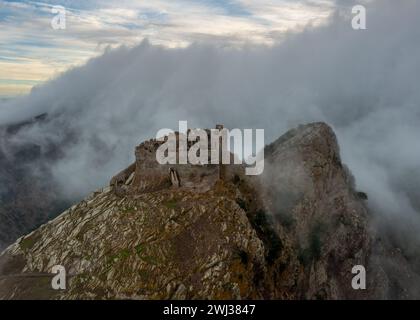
151 176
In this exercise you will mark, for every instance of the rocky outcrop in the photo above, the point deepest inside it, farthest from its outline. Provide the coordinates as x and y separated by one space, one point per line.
293 233
311 199
121 181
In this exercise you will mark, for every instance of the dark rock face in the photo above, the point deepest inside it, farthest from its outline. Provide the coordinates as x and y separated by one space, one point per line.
295 232
306 189
27 198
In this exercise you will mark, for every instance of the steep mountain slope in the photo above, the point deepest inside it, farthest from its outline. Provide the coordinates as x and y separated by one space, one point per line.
189 232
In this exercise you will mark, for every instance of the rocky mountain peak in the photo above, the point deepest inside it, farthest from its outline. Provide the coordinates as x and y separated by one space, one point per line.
181 232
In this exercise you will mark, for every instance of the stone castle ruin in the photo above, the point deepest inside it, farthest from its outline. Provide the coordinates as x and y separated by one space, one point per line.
147 175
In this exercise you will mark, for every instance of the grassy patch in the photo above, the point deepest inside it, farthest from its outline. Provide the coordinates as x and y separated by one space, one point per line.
171 204
128 210
150 259
144 274
242 204
313 251
148 256
139 249
28 243
120 256
362 195
269 236
274 247
228 286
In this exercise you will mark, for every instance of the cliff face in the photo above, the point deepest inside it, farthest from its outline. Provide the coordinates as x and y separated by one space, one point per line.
182 233
311 196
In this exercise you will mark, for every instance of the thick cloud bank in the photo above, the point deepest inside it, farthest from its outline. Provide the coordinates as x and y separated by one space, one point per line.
364 83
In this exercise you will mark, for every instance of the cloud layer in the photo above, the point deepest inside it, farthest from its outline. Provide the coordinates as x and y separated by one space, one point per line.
34 51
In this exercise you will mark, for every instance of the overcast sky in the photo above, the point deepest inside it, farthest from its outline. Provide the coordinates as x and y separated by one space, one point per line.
31 51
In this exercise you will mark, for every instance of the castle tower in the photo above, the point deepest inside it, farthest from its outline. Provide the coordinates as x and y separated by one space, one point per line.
222 147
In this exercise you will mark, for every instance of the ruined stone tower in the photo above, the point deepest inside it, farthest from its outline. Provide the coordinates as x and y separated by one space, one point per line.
222 150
